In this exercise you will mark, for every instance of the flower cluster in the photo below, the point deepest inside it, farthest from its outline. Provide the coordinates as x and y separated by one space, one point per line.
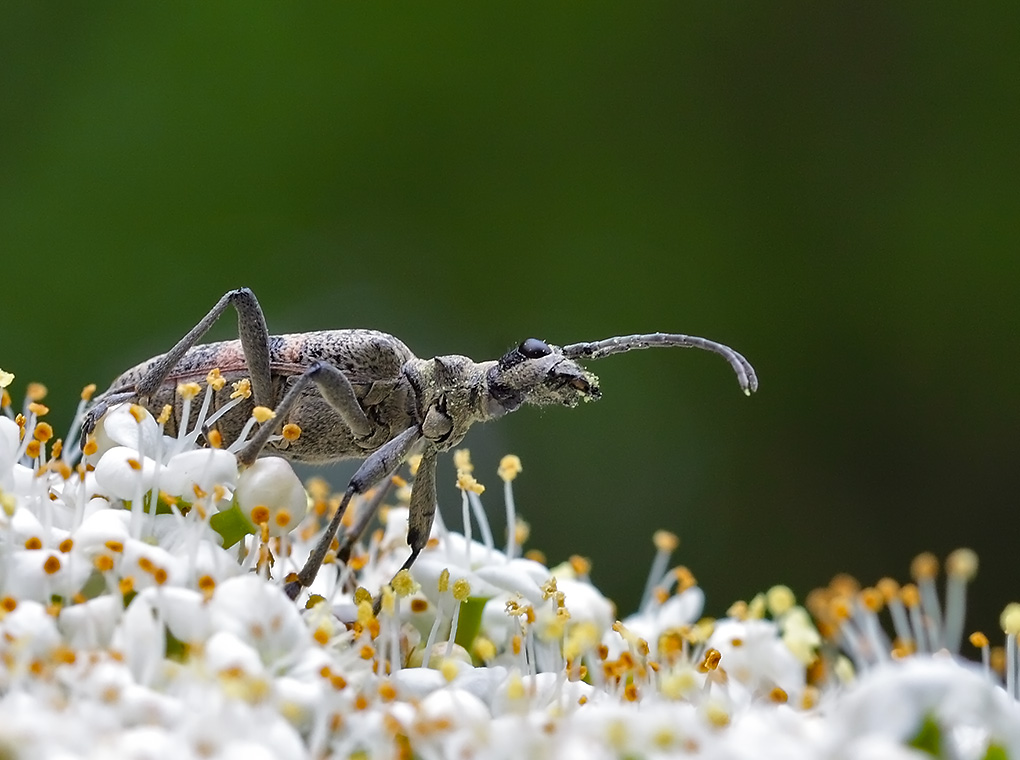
142 615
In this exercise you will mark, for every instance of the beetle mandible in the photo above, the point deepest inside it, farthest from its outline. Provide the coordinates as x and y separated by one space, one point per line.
364 394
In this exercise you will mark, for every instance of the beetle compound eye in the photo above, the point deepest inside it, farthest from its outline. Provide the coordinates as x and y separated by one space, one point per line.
533 348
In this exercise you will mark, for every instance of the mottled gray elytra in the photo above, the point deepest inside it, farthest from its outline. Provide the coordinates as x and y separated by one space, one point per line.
363 394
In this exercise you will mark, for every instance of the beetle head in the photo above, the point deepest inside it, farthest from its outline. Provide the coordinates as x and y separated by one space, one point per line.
536 373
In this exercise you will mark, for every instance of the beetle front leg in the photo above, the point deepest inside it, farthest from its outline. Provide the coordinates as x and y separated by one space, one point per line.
381 464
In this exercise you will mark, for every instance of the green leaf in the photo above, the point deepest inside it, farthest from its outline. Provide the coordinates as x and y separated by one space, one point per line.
995 752
469 622
232 525
928 738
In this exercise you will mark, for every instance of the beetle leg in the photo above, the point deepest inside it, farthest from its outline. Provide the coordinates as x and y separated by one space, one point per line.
381 464
423 505
251 328
334 387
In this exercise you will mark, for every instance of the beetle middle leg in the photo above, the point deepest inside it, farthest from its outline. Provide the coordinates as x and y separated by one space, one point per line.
381 464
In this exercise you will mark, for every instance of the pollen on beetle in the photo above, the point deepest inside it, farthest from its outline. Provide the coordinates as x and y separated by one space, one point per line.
262 414
188 390
242 388
291 432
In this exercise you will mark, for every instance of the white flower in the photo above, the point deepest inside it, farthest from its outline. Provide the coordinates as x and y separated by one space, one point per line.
271 485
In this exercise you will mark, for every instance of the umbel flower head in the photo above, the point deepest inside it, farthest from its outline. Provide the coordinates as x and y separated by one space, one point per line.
142 615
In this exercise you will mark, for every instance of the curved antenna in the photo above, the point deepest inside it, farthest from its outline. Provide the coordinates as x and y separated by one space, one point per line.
745 372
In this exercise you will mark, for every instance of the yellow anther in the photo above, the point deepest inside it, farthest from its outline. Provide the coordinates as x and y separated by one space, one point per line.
389 600
262 414
282 518
160 576
509 467
114 546
9 603
580 565
710 661
207 585
398 482
188 390
39 410
43 432
242 388
126 585
413 462
87 391
462 460
260 514
419 605
910 596
361 595
515 688
444 580
291 432
138 412
32 543
5 398
924 567
962 563
978 640
461 589
36 392
872 599
6 378
404 584
215 438
522 531
684 578
1010 618
888 588
90 447
103 563
484 649
737 610
780 600
134 464
215 380
66 545
448 667
466 482
33 449
778 696
665 541
8 503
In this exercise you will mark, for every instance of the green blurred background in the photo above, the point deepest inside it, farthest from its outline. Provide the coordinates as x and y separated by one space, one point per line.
829 188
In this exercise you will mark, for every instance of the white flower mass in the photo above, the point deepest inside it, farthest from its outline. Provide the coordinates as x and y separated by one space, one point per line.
142 615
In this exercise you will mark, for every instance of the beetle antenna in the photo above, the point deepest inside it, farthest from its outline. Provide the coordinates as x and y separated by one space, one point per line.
596 350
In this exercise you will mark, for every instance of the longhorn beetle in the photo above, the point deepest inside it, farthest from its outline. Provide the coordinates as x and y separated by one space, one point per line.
363 394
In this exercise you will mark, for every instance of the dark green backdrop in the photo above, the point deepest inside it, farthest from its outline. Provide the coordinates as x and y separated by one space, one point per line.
832 189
